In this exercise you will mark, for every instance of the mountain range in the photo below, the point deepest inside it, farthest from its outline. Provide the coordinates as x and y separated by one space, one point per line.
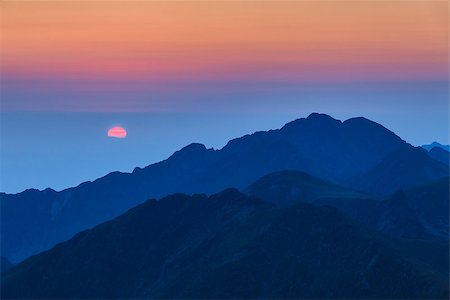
357 154
317 209
421 212
428 147
230 245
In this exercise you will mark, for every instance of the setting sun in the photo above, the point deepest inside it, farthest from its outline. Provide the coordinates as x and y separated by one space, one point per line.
117 132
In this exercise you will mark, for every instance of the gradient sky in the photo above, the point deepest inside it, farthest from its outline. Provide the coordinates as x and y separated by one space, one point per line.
179 72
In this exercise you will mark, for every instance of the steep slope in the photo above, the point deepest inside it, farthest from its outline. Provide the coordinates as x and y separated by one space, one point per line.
224 246
320 145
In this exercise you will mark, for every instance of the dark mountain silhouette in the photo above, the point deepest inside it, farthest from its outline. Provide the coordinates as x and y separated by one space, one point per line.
336 151
419 213
436 144
227 246
440 154
5 264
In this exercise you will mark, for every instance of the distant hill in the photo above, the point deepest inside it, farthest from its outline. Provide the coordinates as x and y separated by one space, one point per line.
227 246
287 187
440 154
421 212
428 147
404 168
357 153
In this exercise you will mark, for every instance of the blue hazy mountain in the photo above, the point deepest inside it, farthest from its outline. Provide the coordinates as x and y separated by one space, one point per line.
356 153
428 147
230 245
417 213
440 154
285 188
401 169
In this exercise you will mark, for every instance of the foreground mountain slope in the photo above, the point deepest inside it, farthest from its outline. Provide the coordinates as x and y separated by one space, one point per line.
224 246
320 145
5 264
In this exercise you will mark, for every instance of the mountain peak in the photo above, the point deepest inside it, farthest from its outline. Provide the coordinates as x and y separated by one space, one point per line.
361 121
190 150
322 119
314 119
365 127
194 147
319 116
436 144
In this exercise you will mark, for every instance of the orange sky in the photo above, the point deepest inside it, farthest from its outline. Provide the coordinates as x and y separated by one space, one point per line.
184 41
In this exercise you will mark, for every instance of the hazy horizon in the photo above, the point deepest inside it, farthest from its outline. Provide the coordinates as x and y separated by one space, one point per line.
84 152
172 73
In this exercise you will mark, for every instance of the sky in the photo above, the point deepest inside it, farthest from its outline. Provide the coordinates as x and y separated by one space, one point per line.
176 72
